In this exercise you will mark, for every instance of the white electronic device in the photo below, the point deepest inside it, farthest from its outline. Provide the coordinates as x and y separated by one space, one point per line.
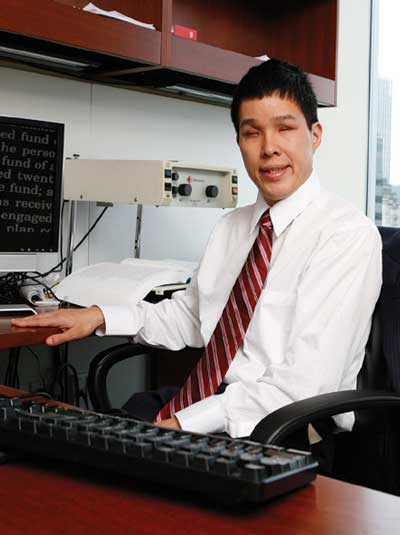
154 182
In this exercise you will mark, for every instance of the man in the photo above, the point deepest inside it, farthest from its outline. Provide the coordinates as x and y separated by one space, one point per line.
284 294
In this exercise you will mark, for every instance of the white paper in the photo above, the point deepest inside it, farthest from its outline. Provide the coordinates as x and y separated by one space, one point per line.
128 282
263 58
91 8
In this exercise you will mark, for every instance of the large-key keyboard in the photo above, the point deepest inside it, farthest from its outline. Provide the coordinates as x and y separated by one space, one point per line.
225 469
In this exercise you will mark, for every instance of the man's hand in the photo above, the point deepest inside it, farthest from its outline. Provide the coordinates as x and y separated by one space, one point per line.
75 324
172 423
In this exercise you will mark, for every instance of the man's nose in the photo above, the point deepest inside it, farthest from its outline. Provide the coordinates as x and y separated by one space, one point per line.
269 146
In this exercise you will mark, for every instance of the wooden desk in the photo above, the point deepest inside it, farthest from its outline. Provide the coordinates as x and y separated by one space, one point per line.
22 336
39 499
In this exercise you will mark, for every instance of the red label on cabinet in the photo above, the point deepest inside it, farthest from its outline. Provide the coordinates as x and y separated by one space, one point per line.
184 31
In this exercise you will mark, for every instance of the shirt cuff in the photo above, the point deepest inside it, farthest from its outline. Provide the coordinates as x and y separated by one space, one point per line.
205 416
119 320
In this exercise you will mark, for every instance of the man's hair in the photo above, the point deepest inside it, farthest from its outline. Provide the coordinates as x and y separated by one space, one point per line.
276 77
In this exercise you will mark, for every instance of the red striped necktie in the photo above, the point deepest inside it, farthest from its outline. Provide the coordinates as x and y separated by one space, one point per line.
228 335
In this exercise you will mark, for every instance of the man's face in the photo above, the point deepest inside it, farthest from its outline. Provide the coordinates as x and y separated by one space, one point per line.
276 145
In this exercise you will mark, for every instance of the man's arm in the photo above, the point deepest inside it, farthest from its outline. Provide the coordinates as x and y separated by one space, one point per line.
172 323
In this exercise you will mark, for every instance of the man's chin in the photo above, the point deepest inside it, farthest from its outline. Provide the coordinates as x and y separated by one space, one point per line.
272 197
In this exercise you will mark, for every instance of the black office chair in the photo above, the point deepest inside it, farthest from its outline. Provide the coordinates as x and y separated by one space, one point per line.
369 454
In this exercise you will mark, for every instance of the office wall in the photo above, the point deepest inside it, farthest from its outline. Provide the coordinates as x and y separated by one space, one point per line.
342 157
106 122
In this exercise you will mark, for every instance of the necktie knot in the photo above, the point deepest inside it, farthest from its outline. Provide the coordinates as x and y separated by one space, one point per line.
266 220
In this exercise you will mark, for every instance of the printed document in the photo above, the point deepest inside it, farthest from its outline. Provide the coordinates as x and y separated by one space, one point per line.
127 282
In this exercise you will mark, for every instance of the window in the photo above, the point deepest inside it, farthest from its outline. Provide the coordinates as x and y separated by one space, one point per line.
384 153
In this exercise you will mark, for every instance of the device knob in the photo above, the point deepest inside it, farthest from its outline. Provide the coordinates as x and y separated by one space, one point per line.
212 191
185 190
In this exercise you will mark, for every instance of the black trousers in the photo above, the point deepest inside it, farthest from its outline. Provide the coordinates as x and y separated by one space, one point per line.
146 405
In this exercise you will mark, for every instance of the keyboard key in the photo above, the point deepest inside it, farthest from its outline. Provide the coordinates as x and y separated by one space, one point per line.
81 437
224 467
163 453
10 402
181 457
273 465
117 445
138 449
26 424
202 461
44 428
254 472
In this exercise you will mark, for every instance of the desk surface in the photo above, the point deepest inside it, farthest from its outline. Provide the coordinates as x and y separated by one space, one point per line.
22 336
38 499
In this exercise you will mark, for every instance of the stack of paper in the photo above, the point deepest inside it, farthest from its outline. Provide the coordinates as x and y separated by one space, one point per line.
116 15
127 282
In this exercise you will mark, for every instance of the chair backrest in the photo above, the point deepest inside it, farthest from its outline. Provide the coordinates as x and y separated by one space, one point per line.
369 455
381 367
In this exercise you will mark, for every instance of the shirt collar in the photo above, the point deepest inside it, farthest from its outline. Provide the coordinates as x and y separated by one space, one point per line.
285 211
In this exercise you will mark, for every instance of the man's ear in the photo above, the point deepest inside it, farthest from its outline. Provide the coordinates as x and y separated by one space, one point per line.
316 133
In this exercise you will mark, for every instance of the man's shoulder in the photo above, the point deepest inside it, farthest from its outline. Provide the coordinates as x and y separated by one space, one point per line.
338 213
238 218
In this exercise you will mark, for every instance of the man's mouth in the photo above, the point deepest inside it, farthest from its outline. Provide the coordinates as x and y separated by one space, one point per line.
273 172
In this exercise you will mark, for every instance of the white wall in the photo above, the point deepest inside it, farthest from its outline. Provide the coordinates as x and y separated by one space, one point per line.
342 158
105 122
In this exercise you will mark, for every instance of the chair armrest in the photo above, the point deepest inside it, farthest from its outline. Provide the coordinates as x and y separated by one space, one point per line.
100 366
277 426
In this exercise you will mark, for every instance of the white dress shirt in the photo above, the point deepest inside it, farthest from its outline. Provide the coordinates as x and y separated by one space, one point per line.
310 326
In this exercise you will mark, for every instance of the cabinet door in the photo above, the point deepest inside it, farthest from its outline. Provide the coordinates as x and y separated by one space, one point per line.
232 34
61 28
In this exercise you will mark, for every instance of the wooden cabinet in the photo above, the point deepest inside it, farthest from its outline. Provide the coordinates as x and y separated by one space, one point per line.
230 35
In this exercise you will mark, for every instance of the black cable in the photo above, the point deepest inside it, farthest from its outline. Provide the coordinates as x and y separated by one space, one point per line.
16 382
7 374
83 394
11 282
79 243
62 235
11 377
58 379
39 367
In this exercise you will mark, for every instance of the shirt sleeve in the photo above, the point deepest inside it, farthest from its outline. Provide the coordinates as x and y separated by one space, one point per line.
325 341
172 323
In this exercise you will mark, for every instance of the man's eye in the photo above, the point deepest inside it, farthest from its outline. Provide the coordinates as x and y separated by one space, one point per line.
250 133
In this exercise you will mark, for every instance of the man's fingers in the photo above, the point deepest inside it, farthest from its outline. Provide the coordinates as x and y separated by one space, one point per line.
39 320
66 336
171 423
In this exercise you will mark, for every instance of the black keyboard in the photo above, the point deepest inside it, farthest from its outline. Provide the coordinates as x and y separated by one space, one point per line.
225 469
